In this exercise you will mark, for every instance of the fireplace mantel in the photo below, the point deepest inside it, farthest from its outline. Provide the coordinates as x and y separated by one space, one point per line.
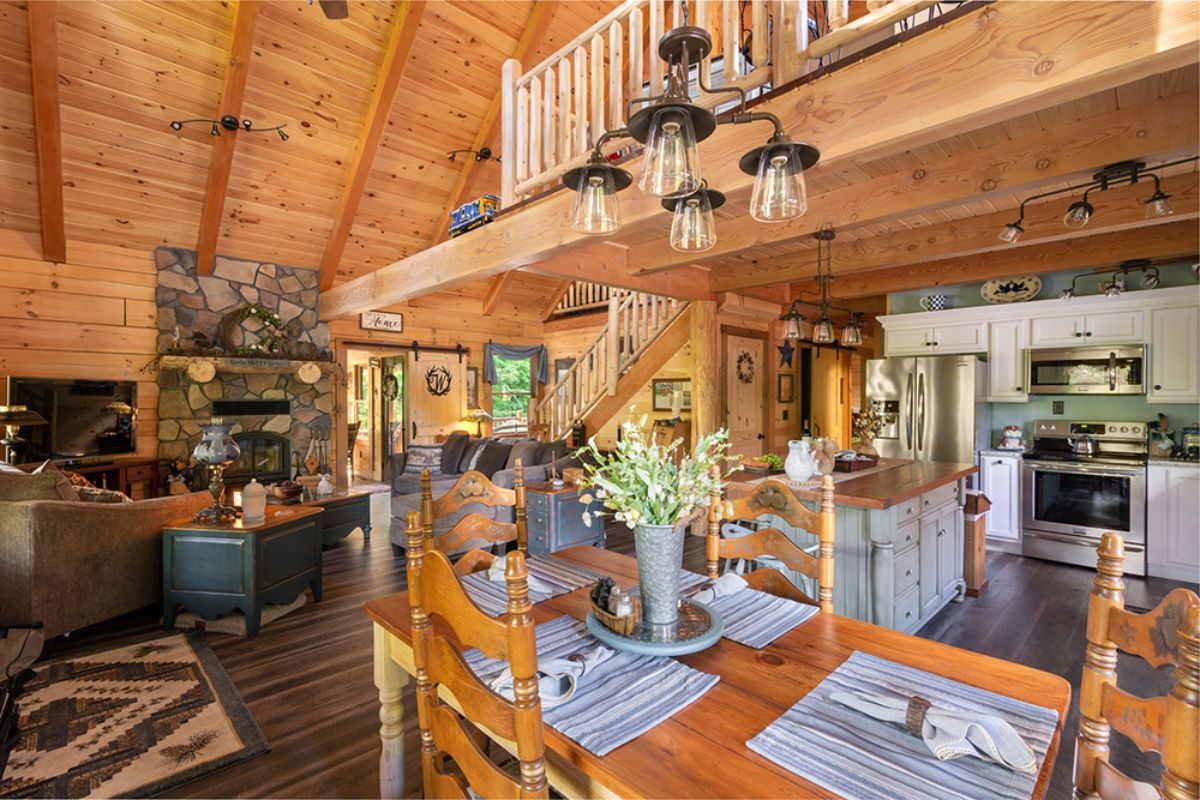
242 365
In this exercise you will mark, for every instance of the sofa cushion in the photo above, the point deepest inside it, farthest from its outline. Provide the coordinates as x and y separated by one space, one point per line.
549 451
29 487
524 450
92 494
471 454
424 456
411 484
63 483
493 457
453 449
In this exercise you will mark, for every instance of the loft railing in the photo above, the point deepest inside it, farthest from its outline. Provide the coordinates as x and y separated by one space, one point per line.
584 296
634 321
554 113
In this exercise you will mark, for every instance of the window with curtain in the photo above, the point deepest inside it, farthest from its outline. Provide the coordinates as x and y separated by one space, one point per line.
510 396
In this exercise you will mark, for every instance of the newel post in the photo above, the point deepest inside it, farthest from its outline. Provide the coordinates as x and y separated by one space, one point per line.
508 131
613 345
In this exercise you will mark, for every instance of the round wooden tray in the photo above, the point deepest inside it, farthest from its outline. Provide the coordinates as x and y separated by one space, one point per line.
699 627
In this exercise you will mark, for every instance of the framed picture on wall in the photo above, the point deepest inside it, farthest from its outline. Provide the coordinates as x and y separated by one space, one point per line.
472 387
664 390
785 388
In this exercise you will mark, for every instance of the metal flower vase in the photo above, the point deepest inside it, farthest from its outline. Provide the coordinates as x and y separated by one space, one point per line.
659 551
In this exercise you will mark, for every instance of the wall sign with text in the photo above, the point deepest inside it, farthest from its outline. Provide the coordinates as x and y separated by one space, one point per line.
381 321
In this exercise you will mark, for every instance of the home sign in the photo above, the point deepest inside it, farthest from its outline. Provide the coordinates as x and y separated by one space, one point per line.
381 321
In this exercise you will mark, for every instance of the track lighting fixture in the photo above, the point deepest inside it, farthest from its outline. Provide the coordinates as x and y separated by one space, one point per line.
230 123
671 127
482 154
1116 280
1080 212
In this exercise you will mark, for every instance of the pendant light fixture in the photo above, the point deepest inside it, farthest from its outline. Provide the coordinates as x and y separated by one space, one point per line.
1080 212
823 330
596 184
852 333
671 127
793 323
692 227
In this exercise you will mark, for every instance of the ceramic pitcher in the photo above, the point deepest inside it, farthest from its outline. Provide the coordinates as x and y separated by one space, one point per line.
799 465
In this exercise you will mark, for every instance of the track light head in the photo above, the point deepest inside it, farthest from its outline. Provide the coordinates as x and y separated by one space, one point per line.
1078 214
176 125
1159 205
1011 233
282 135
216 129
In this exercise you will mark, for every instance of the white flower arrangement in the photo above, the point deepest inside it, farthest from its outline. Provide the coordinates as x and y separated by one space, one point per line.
641 483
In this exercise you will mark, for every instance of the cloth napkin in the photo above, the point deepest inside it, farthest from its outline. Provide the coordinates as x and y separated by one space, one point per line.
557 677
727 584
496 575
950 734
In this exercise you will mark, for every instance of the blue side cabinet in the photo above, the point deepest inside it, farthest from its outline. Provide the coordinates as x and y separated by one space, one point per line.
555 519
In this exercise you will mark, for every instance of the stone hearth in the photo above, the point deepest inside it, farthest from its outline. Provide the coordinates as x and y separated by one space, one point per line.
190 303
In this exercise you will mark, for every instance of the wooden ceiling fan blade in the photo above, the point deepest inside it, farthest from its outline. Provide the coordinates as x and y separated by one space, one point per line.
335 9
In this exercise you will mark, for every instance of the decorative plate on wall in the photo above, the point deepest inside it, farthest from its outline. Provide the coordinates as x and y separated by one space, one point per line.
1011 290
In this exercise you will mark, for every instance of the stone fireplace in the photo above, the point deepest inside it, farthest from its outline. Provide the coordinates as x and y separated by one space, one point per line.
190 304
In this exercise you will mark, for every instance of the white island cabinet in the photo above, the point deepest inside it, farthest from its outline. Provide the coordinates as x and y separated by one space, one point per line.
1000 481
1173 520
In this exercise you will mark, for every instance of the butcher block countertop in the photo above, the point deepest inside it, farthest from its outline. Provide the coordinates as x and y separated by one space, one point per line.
892 482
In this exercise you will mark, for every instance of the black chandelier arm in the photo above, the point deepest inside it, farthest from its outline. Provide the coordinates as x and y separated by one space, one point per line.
745 117
704 87
1021 213
597 156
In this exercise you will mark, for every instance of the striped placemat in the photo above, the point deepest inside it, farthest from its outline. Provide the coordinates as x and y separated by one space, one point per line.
858 756
553 573
752 618
620 700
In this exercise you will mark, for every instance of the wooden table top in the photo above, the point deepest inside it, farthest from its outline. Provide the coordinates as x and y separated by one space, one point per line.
701 751
881 487
275 515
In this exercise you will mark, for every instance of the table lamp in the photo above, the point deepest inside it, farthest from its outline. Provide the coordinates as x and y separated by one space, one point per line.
478 416
12 418
217 449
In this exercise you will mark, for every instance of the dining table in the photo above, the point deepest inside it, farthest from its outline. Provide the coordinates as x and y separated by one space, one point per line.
701 751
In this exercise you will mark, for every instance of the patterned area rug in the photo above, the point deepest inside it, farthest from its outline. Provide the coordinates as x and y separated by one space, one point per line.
132 721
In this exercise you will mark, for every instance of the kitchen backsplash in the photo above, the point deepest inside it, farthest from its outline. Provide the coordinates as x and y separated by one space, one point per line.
1117 409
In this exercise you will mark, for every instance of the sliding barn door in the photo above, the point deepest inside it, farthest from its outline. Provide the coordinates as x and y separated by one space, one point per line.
435 394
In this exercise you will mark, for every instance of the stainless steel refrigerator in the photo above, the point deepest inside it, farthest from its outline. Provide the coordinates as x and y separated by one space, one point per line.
934 407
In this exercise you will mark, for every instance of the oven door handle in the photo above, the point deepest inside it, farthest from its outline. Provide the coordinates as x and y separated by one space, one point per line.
1112 371
1072 538
1116 472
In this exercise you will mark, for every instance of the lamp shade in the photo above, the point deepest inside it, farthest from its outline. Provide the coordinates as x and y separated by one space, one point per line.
1078 214
779 187
823 331
852 333
692 228
671 163
216 445
597 212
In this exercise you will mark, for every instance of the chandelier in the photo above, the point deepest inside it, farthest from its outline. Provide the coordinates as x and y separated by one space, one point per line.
671 127
1079 213
823 331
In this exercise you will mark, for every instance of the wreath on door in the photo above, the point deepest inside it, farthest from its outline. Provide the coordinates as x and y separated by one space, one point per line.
391 387
437 380
745 367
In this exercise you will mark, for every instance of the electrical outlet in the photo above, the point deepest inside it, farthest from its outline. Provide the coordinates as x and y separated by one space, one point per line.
785 415
1057 407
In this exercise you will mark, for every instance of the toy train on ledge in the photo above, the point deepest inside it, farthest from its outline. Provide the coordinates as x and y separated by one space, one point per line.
474 214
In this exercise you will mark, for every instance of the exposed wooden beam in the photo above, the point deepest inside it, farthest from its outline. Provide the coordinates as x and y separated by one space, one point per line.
387 81
47 127
531 36
556 297
237 68
605 264
1117 209
1163 127
499 286
1010 58
1161 242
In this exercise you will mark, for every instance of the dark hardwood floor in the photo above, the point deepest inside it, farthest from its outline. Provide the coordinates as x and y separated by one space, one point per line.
307 677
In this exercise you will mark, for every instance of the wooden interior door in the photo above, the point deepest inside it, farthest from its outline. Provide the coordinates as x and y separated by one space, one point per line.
435 395
745 407
831 394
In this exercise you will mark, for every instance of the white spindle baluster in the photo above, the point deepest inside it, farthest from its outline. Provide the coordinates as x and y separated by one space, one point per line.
522 167
676 13
635 55
758 35
508 101
565 139
616 110
549 117
655 67
731 32
535 125
839 13
581 103
597 90
704 20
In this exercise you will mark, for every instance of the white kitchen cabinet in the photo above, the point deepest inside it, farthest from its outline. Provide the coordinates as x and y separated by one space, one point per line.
1173 521
1006 361
1123 326
930 524
1000 480
948 339
908 341
949 550
1174 354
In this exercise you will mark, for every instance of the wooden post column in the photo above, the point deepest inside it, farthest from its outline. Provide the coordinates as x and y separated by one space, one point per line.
706 369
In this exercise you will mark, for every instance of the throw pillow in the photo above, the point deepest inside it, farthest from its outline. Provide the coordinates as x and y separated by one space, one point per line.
9 469
423 456
550 451
90 494
493 457
66 491
471 456
524 450
15 488
452 451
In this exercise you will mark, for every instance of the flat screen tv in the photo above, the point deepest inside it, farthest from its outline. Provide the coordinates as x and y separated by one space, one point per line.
86 418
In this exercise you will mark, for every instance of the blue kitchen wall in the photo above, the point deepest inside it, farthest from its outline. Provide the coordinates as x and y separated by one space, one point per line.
967 294
1098 409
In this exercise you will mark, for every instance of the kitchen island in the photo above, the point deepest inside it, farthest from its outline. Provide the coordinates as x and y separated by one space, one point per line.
898 538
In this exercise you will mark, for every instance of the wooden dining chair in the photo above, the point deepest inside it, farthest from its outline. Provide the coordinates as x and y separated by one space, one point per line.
475 488
446 731
1168 724
774 497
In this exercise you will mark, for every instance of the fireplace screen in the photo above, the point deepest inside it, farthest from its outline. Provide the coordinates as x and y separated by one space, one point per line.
265 456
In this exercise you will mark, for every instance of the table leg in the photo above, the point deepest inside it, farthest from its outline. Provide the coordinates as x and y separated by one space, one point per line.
390 679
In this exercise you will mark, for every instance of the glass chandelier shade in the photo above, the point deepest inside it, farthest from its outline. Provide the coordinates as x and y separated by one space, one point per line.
793 324
1011 233
671 161
779 188
852 333
1078 214
823 331
1159 205
597 211
692 227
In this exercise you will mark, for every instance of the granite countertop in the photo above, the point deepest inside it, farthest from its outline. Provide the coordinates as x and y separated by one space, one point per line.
1172 462
891 483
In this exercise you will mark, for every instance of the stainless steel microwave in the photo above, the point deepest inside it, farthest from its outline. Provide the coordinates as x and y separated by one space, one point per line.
1088 370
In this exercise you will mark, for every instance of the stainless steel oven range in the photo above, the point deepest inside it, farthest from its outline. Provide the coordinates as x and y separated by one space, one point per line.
1080 480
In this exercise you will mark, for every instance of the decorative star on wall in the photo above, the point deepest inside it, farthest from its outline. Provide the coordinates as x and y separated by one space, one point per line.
785 353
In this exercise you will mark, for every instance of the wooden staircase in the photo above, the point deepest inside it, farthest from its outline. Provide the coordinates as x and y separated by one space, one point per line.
643 331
